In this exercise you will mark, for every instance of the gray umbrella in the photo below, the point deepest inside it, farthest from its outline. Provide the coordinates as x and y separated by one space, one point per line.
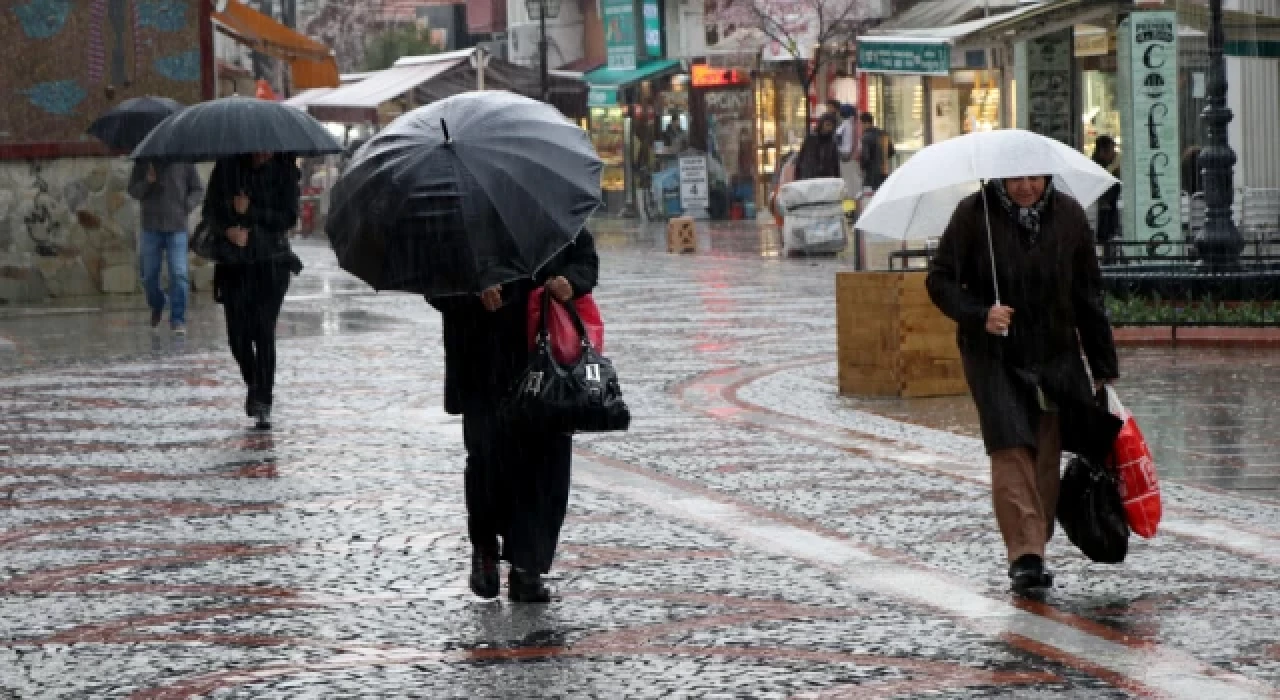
233 126
128 123
479 189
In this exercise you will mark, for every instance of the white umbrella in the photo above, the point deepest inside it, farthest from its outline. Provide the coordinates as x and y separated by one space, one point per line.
918 199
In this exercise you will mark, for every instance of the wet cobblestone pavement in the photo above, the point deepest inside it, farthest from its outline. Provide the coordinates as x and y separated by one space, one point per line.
753 536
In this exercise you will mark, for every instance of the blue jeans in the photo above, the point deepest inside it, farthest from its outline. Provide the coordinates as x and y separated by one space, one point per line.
156 245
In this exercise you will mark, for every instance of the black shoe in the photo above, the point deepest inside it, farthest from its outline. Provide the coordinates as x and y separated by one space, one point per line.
1028 572
486 579
262 416
524 587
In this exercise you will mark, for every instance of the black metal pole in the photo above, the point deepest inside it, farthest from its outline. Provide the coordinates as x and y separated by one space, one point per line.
542 51
1219 243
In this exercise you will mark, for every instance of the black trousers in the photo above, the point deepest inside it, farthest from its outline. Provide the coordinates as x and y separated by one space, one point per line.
517 486
251 298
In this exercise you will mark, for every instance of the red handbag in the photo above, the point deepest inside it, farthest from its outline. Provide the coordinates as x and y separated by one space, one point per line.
566 344
1135 471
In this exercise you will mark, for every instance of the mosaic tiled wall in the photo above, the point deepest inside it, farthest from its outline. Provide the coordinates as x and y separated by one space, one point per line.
64 62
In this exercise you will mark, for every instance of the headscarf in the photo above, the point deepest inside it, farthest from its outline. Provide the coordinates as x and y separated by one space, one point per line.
1029 219
819 156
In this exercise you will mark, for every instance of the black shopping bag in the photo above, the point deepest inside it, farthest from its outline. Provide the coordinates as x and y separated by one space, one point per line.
582 398
1091 512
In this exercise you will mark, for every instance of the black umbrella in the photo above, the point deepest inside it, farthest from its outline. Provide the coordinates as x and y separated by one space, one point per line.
478 189
233 126
125 126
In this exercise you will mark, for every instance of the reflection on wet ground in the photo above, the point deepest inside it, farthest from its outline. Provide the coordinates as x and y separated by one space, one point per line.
1209 414
155 548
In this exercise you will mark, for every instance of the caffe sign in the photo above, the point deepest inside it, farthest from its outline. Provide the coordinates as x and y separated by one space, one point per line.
1153 139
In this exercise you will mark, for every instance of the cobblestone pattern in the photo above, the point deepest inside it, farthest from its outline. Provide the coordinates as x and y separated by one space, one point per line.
154 548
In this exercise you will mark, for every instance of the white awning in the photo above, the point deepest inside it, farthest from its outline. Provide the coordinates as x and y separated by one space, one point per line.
946 35
381 86
306 97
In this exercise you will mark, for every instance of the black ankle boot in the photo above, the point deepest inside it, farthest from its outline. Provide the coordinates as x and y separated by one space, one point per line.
1028 572
526 587
262 415
486 580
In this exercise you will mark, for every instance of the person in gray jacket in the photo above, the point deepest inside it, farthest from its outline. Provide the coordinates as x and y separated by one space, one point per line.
168 194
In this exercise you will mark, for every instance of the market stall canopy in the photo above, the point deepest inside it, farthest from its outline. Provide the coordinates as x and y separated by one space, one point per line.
358 102
426 79
311 63
304 99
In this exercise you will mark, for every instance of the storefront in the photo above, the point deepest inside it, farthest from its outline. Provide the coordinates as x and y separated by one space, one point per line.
639 123
920 96
925 86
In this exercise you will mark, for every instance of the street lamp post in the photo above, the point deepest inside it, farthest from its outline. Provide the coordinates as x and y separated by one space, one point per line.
542 9
1219 243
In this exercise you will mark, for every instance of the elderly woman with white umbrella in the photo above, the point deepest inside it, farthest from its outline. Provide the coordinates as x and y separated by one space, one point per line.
1017 270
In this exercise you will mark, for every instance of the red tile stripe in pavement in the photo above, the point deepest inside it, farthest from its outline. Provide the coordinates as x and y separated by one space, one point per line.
724 386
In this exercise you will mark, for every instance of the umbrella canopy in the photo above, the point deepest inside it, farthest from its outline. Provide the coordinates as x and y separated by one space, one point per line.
124 126
475 190
918 199
233 126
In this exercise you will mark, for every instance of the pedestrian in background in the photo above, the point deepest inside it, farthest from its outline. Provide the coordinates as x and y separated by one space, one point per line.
516 479
1104 154
253 201
819 154
1022 353
876 153
167 193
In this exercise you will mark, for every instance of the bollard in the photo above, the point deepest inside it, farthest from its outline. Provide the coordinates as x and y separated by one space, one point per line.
682 235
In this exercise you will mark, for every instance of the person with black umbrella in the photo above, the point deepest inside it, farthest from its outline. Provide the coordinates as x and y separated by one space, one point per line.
252 203
473 202
168 193
516 479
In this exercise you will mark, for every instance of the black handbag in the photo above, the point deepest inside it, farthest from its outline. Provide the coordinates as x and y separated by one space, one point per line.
584 398
1091 511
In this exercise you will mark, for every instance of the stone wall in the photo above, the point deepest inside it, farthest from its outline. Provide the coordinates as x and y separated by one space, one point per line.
68 228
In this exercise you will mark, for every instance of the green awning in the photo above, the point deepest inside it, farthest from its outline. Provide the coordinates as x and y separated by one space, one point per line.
621 78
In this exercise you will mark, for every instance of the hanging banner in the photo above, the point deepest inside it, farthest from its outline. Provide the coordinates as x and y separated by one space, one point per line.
620 33
1048 96
1153 202
652 29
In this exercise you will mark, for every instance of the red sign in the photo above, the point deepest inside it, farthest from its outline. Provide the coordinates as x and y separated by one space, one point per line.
704 76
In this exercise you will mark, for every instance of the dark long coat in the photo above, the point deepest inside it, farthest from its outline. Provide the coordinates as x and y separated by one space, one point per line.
1054 287
485 353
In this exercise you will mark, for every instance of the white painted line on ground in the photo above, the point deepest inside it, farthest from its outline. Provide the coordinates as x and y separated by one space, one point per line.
1217 532
1165 670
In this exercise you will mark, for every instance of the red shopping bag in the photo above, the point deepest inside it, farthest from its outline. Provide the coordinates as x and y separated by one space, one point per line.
1135 471
566 343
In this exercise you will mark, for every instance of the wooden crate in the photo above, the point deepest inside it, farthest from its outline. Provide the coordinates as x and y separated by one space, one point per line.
892 340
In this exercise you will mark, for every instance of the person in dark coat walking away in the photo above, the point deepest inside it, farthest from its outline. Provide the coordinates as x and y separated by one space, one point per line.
1104 154
876 153
253 201
168 193
517 480
820 154
1022 356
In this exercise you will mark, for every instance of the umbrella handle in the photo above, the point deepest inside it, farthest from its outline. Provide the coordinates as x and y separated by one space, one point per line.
991 246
